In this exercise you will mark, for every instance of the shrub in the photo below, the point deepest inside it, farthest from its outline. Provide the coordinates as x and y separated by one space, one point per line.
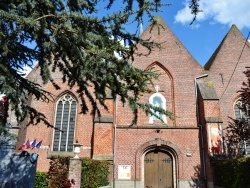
94 173
233 173
58 173
41 180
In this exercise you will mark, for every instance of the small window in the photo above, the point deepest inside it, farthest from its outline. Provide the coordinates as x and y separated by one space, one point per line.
64 124
158 100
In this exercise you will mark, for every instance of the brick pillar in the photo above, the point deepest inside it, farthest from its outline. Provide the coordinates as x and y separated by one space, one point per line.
75 169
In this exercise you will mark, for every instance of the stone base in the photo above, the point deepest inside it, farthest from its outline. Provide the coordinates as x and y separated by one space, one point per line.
140 184
75 170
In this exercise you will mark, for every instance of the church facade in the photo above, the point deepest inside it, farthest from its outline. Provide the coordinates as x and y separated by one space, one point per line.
152 153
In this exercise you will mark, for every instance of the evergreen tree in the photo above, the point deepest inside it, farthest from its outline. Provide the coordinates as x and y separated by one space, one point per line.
73 37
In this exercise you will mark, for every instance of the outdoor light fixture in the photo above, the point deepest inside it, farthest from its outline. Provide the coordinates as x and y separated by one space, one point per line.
77 149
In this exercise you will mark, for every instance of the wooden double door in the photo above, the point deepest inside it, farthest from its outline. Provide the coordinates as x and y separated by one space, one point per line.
158 170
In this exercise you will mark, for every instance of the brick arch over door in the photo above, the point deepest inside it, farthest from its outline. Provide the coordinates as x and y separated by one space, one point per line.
166 83
157 143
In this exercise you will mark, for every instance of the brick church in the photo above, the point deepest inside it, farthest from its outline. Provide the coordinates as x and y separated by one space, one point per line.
170 153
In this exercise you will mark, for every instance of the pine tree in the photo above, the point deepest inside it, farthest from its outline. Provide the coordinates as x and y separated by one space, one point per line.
73 37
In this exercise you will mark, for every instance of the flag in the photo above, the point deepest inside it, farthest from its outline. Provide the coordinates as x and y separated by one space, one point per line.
22 146
27 144
38 145
33 144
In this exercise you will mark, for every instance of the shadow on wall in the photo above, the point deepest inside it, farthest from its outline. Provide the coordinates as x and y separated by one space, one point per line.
197 178
17 169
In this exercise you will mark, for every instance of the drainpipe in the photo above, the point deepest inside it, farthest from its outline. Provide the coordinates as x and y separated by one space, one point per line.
203 154
114 141
200 127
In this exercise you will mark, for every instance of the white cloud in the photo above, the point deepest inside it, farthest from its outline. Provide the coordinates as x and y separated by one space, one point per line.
221 11
117 54
26 70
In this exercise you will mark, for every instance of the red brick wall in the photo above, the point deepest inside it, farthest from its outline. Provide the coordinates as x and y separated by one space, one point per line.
84 128
227 68
130 141
178 66
211 109
103 139
226 72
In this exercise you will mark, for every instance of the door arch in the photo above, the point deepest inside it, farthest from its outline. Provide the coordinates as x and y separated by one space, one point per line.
158 169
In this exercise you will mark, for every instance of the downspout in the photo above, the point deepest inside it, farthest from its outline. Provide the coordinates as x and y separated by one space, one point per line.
114 141
203 153
200 127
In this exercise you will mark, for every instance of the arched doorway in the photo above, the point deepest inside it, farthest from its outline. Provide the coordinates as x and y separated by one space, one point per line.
158 169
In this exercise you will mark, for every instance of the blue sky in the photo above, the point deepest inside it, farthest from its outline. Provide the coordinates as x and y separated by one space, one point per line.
212 24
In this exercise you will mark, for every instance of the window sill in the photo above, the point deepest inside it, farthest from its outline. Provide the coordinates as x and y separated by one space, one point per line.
54 154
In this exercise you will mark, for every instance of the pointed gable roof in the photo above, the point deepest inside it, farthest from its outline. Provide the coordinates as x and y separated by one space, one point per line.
232 31
171 49
159 32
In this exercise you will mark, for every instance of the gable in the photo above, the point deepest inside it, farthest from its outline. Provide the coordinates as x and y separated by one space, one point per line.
232 43
171 52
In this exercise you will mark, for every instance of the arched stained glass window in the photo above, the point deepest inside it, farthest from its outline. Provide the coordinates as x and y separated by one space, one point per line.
65 124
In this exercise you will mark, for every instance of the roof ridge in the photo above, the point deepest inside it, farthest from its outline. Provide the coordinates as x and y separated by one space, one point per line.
213 56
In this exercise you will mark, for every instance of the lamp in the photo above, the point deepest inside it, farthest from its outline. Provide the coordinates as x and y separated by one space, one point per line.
77 149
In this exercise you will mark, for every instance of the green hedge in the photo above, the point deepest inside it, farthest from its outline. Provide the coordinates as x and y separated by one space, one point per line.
233 173
41 180
94 173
